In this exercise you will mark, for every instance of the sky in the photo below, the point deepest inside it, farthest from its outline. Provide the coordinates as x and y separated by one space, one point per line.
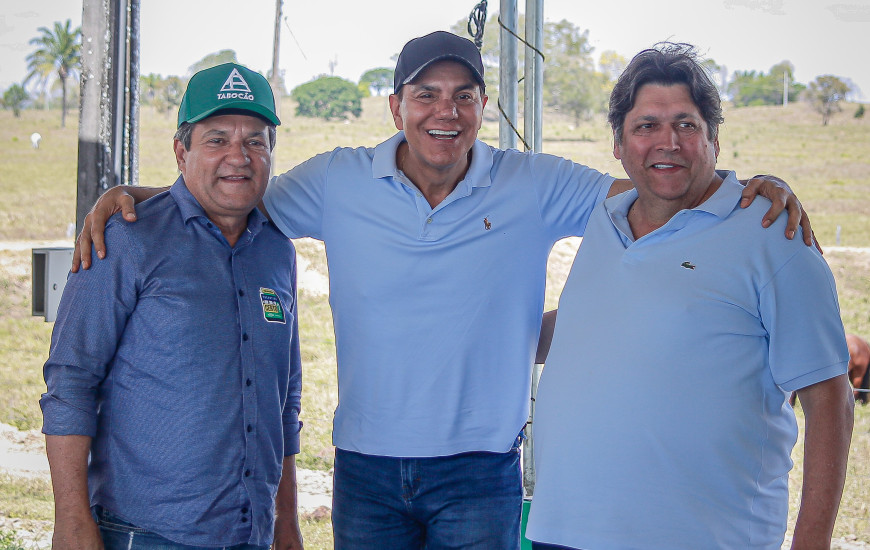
349 37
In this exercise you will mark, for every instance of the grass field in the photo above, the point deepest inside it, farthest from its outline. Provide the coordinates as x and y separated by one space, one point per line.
829 168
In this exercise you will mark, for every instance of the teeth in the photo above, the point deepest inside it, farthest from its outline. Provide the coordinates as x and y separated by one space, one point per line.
443 133
663 165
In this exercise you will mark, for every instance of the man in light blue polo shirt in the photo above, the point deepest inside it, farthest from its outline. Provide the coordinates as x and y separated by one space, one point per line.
712 323
437 247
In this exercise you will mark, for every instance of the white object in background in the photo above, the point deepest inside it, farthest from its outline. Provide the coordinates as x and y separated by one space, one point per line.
49 273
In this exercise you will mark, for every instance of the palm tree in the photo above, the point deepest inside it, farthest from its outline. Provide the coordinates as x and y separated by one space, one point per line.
58 51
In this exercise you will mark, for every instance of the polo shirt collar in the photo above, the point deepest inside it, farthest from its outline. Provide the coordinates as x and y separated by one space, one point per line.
478 175
720 204
726 198
190 207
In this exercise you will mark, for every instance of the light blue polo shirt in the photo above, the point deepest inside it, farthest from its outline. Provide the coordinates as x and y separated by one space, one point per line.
662 419
436 310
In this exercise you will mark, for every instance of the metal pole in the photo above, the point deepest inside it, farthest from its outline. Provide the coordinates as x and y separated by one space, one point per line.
533 75
109 108
539 76
529 443
528 74
507 90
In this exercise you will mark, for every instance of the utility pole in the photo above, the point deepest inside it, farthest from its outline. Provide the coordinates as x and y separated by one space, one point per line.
275 81
109 108
276 77
784 88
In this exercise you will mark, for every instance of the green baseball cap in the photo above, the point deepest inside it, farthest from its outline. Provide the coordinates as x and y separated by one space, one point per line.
227 86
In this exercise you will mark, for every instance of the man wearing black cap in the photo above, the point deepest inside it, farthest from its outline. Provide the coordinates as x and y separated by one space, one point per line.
173 382
437 247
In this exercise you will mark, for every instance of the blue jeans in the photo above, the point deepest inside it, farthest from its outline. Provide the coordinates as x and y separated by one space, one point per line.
117 534
542 546
468 501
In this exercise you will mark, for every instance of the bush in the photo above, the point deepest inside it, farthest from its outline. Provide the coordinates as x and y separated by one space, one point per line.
328 97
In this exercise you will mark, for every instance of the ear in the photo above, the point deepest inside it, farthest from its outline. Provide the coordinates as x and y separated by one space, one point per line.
484 99
396 109
716 147
180 154
616 149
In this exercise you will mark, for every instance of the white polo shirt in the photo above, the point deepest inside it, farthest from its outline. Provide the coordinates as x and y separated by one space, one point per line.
436 310
662 419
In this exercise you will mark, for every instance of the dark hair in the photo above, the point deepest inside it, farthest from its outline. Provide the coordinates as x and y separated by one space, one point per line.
185 132
666 64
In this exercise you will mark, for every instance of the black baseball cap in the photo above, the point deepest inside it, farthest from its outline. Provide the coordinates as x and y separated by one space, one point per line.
421 52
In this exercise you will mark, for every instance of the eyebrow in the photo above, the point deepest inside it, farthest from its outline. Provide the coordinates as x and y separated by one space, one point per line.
462 87
221 133
678 116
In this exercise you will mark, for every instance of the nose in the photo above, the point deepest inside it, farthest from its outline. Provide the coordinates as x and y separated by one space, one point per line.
447 109
669 139
238 154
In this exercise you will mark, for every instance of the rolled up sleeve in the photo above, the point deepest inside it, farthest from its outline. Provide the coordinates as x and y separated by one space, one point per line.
93 312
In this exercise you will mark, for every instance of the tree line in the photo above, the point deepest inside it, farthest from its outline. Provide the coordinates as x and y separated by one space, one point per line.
575 82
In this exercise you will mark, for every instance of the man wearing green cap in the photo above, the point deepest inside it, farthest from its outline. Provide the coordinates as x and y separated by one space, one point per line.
173 381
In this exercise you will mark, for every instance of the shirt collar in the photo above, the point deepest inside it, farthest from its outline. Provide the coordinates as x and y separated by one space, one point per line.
720 204
478 175
726 198
190 207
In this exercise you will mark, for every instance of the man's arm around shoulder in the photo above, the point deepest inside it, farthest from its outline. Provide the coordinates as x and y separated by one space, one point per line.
829 411
772 188
121 198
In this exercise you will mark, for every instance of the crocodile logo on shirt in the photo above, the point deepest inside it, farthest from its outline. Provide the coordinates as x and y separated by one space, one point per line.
687 265
273 312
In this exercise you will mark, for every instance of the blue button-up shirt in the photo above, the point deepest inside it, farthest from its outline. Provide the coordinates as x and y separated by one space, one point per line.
179 355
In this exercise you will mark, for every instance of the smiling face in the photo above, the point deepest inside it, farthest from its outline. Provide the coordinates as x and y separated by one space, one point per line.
227 167
666 150
440 112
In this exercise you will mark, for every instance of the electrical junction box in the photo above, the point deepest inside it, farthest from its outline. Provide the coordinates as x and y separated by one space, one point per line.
50 270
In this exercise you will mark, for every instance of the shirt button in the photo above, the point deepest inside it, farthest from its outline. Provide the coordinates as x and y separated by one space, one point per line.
247 473
245 510
248 382
241 292
250 428
245 337
244 519
429 220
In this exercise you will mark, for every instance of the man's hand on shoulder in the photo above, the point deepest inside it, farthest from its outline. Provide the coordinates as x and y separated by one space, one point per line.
121 198
782 198
94 226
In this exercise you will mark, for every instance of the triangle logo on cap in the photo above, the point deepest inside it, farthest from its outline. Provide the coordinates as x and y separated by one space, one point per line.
235 83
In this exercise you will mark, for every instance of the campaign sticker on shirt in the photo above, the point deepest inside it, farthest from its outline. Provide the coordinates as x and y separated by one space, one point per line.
272 310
